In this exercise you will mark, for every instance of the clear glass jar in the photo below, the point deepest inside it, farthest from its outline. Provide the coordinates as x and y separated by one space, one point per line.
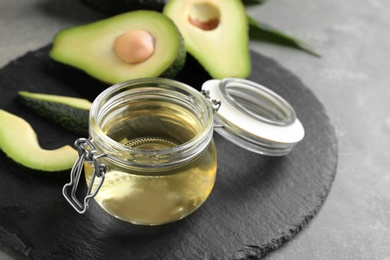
150 158
160 158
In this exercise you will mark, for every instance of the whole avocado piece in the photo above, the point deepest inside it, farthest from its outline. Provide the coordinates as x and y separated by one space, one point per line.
215 32
137 44
120 6
112 7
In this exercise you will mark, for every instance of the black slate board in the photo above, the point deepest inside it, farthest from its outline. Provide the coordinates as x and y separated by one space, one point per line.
258 203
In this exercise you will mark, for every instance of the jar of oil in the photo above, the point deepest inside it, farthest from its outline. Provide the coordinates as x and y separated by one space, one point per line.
159 156
150 158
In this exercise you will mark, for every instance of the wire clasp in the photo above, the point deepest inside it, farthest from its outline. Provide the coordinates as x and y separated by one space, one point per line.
86 151
215 103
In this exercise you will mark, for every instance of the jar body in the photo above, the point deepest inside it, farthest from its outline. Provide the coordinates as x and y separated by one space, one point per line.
160 156
152 199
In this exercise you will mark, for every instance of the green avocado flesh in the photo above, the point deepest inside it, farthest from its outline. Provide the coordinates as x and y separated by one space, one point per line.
90 47
70 112
215 33
19 142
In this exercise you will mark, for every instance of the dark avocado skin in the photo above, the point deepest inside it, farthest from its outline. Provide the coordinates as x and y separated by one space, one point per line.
178 65
73 119
112 7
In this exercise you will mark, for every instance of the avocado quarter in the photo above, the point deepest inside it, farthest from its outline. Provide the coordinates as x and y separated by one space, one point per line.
91 49
215 33
70 112
19 142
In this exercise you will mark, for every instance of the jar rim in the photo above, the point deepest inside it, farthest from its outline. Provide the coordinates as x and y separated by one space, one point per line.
203 137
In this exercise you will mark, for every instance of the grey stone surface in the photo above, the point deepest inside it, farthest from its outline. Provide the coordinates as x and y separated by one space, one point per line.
351 80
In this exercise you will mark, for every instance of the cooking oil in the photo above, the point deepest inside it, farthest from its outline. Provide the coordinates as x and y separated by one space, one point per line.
162 192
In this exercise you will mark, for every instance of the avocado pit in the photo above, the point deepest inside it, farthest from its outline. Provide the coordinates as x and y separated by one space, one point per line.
134 46
204 16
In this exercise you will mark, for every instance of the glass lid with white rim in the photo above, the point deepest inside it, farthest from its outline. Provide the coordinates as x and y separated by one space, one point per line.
253 117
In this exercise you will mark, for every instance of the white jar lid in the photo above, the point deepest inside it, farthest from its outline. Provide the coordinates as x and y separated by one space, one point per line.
254 117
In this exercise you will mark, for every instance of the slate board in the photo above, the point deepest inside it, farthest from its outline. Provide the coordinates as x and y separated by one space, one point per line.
258 202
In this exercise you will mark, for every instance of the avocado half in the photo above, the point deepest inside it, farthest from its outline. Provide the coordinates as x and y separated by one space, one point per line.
19 142
215 33
91 47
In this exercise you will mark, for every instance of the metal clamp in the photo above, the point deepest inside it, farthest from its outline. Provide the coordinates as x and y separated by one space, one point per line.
215 103
86 152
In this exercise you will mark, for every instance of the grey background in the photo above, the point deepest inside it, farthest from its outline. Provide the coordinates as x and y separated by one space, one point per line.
351 80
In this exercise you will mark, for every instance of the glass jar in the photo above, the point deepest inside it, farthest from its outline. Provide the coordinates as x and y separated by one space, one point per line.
150 158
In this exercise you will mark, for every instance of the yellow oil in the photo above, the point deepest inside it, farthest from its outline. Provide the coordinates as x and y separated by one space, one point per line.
152 198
